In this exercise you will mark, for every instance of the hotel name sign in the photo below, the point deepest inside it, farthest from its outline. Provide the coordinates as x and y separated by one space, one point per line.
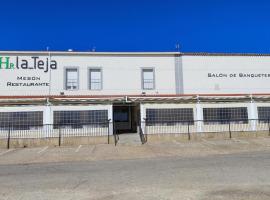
34 63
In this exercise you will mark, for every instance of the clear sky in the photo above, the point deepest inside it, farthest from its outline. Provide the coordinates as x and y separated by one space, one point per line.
136 25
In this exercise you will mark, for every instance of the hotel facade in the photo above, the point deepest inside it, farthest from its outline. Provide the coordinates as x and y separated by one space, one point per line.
130 88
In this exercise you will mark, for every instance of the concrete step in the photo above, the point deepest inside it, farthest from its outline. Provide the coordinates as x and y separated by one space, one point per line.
129 139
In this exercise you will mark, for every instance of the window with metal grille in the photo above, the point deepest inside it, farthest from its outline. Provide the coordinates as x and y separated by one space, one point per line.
72 79
169 116
76 119
224 115
95 79
148 79
264 114
21 120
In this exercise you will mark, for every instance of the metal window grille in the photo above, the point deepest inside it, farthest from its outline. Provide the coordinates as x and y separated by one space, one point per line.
224 115
264 114
170 116
21 120
76 119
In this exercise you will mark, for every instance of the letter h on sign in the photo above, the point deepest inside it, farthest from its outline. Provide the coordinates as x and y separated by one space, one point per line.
6 63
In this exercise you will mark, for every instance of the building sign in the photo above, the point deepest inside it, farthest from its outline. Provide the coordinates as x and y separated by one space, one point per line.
24 81
33 71
33 63
238 75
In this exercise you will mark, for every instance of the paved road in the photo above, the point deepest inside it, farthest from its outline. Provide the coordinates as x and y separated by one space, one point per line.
121 152
235 176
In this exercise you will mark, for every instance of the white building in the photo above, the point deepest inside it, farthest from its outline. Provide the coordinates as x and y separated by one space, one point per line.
127 88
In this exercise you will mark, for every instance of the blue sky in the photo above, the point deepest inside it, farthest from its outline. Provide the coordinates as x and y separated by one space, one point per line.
136 25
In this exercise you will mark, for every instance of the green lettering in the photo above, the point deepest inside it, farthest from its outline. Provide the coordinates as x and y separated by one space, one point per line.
5 64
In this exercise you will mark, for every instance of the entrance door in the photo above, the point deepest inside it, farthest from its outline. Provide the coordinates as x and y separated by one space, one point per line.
125 118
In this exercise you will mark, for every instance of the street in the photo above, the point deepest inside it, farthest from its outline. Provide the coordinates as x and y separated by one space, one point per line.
233 176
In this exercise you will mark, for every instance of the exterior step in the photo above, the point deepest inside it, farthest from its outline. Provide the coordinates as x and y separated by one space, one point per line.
129 139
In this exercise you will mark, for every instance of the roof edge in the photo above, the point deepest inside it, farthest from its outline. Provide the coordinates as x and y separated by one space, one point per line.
131 53
223 54
87 53
133 95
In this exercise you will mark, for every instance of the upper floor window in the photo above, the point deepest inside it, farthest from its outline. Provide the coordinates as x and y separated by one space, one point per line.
72 79
148 79
95 79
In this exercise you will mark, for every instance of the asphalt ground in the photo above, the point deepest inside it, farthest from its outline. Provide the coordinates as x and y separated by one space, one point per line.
237 169
120 152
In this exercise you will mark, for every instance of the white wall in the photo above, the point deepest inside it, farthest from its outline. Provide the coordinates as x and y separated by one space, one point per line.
196 69
121 74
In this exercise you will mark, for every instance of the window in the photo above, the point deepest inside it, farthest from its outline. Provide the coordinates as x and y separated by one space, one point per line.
78 118
224 115
72 79
121 114
148 79
21 120
170 115
264 114
95 79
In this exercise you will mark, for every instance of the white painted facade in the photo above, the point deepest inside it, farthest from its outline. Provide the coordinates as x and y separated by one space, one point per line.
175 74
121 74
200 74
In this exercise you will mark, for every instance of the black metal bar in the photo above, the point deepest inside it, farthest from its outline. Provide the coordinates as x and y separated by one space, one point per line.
268 127
145 130
8 139
114 135
59 137
188 132
230 129
108 132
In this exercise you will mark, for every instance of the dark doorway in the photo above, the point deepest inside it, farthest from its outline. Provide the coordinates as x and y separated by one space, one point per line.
125 118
